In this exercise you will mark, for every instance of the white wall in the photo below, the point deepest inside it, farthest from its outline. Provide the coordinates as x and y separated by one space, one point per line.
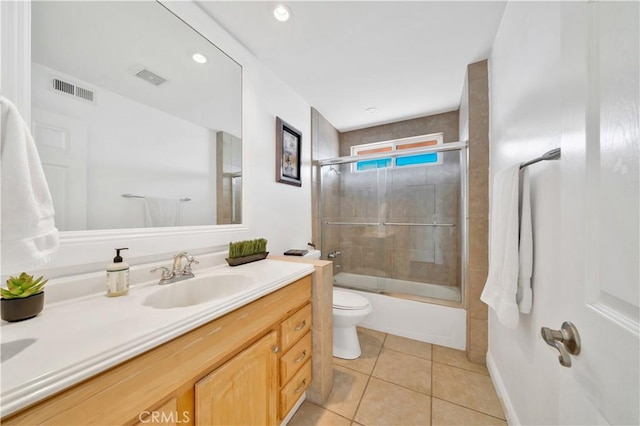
281 213
134 149
525 122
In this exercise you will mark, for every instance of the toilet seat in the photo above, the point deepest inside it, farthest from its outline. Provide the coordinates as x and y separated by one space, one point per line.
348 301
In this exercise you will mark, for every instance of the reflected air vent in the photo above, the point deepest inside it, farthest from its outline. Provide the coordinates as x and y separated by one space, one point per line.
151 77
85 94
63 86
73 90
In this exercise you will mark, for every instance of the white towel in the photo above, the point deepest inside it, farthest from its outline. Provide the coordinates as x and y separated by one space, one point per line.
502 280
161 211
29 235
525 249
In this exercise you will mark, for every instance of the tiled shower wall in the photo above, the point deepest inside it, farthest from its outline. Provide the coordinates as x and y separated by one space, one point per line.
475 126
325 141
417 194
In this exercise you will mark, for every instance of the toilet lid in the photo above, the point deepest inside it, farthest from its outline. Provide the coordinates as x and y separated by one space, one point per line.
348 300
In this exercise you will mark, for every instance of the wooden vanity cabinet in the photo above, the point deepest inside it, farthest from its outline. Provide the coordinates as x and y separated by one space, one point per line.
248 367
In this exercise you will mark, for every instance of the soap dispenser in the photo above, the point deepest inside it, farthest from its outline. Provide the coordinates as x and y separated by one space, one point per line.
118 276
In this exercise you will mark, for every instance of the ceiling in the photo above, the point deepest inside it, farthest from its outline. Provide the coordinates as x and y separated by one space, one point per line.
406 58
105 43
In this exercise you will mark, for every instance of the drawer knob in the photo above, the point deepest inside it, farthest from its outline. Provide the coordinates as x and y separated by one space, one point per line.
301 357
302 386
275 349
300 326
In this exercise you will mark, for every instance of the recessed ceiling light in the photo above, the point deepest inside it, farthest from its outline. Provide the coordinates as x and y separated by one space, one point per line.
371 110
282 13
199 58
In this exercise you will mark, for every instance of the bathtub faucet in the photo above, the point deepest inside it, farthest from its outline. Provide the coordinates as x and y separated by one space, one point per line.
333 254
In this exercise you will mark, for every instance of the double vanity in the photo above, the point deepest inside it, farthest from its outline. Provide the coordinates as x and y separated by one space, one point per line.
230 346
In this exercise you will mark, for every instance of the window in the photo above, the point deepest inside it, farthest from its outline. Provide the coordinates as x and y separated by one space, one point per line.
430 158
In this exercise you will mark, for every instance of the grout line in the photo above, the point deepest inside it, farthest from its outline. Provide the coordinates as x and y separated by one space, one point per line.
463 369
469 408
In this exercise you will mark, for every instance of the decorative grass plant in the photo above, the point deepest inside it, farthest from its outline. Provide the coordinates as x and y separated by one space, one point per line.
247 251
247 248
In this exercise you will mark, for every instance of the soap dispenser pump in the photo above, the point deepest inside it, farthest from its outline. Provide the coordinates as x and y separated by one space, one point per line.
118 276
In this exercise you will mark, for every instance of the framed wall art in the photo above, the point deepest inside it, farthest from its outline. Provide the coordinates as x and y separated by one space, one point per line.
288 153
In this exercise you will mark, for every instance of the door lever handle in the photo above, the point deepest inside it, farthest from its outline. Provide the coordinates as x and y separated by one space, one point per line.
566 341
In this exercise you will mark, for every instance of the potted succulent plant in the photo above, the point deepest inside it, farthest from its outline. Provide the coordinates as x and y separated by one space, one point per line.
23 298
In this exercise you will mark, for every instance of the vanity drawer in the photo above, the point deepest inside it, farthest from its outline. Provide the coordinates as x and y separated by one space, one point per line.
294 327
294 389
295 358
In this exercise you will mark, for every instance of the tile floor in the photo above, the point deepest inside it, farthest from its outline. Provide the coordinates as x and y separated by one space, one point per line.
399 381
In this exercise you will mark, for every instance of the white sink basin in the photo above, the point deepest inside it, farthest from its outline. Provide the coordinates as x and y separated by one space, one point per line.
195 291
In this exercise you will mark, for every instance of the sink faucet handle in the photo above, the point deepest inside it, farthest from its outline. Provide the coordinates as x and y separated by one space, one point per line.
166 273
187 267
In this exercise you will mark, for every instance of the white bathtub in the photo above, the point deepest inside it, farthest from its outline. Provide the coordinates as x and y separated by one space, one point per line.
427 322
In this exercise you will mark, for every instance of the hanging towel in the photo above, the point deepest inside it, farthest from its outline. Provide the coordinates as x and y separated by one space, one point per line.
502 280
29 235
161 211
524 296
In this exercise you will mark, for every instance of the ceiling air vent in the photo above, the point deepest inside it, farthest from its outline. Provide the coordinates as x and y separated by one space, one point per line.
151 77
73 90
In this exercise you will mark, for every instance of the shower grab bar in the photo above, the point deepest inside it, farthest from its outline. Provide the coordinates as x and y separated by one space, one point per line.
142 196
418 224
352 223
554 154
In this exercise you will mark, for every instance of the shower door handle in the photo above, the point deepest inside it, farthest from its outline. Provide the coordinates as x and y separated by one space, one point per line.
566 341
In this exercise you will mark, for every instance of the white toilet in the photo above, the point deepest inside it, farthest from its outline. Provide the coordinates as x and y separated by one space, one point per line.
349 309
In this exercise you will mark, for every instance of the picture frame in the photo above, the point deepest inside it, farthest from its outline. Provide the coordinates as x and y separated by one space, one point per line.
288 153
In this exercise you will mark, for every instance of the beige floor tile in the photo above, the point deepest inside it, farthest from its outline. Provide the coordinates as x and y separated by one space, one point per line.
404 370
408 346
447 414
370 344
465 388
456 358
373 337
348 387
311 415
388 404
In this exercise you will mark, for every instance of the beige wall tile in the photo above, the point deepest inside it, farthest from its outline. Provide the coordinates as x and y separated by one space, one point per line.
478 243
478 70
462 387
404 370
447 414
310 414
478 334
476 279
478 357
388 404
478 194
456 358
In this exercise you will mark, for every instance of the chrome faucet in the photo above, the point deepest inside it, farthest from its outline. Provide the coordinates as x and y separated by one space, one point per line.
333 254
178 272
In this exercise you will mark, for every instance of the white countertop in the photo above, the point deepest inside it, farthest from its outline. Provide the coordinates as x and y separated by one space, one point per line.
75 339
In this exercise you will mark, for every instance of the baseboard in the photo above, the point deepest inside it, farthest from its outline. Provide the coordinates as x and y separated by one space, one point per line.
498 384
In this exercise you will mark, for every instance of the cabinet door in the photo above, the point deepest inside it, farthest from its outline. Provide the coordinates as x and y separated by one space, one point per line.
244 390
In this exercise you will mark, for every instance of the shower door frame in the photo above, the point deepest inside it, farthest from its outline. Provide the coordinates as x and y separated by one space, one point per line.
463 214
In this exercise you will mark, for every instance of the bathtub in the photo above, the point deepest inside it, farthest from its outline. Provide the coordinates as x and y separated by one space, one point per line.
419 320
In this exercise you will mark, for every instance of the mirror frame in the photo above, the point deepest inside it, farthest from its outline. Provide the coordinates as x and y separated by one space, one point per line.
85 251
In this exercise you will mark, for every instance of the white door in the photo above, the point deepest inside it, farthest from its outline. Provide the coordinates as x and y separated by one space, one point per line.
62 146
600 212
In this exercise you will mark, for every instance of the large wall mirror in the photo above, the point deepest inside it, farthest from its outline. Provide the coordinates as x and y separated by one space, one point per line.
137 117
